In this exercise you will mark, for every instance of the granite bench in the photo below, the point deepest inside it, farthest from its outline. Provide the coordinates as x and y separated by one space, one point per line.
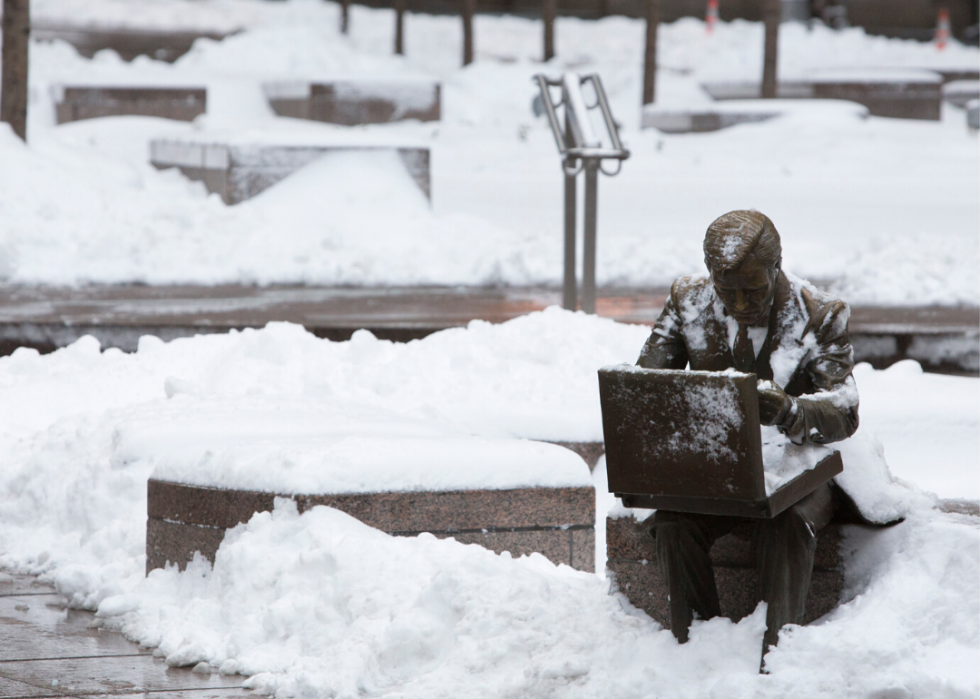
239 170
77 102
632 566
722 115
558 523
902 94
354 102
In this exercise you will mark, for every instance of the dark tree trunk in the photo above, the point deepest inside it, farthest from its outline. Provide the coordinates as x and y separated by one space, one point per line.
400 27
13 84
549 9
469 7
772 14
344 16
650 54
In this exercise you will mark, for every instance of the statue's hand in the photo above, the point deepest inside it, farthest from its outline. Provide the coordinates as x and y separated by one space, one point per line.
775 405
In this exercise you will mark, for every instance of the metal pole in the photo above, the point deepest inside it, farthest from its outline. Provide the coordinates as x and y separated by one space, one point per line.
13 82
772 13
469 8
344 16
400 27
588 253
650 52
549 9
570 290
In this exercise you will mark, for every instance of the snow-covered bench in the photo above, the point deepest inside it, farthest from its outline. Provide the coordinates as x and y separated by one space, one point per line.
239 166
77 102
903 94
720 115
356 101
215 468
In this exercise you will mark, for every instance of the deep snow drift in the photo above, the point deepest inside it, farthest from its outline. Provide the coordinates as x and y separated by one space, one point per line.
320 603
885 210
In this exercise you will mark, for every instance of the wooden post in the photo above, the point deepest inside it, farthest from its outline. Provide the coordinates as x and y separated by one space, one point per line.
13 83
772 14
549 8
344 16
650 54
469 7
400 27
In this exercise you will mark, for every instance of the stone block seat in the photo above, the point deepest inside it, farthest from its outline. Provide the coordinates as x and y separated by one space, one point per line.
214 469
902 94
238 166
77 102
354 102
961 92
714 116
632 565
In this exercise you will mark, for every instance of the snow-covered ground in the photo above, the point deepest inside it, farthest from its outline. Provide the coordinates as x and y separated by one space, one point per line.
886 210
320 605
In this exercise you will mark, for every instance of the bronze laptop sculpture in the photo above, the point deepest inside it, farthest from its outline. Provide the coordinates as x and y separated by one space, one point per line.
751 316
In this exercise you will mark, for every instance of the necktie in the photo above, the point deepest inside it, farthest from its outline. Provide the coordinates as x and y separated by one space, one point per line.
743 351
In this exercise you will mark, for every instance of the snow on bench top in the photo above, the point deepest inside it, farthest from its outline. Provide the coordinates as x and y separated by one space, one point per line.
293 446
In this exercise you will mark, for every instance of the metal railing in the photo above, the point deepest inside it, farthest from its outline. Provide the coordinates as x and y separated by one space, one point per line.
581 150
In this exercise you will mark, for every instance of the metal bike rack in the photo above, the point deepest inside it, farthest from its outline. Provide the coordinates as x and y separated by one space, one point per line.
581 149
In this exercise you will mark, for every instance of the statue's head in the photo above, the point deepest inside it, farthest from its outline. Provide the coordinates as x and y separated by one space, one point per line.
743 255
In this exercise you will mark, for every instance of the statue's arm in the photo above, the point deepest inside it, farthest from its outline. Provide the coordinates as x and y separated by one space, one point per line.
830 414
665 348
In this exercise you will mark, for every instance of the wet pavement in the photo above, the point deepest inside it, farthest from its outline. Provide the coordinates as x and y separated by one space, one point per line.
46 318
47 650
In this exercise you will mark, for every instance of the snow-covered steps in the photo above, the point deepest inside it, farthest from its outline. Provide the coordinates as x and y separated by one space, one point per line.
902 94
632 563
355 102
77 102
721 115
238 168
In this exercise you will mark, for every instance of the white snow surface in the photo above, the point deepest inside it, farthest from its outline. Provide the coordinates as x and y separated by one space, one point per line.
294 446
320 605
883 210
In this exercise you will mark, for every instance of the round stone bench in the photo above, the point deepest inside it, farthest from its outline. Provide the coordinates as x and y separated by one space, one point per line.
214 470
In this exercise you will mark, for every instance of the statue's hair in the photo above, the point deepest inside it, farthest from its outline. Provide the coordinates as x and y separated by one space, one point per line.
730 239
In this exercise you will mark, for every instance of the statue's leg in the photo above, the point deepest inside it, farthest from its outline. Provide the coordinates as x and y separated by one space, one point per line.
786 545
683 543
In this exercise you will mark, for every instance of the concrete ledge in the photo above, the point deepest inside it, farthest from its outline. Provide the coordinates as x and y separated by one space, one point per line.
74 103
973 114
239 172
559 523
354 102
632 563
721 115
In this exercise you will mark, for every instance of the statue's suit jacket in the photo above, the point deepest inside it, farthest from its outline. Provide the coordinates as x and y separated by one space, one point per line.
807 350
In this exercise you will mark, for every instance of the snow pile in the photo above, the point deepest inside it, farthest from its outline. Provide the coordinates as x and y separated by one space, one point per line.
885 210
320 605
425 617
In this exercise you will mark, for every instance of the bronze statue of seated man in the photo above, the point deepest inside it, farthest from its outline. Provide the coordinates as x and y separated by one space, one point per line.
751 316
